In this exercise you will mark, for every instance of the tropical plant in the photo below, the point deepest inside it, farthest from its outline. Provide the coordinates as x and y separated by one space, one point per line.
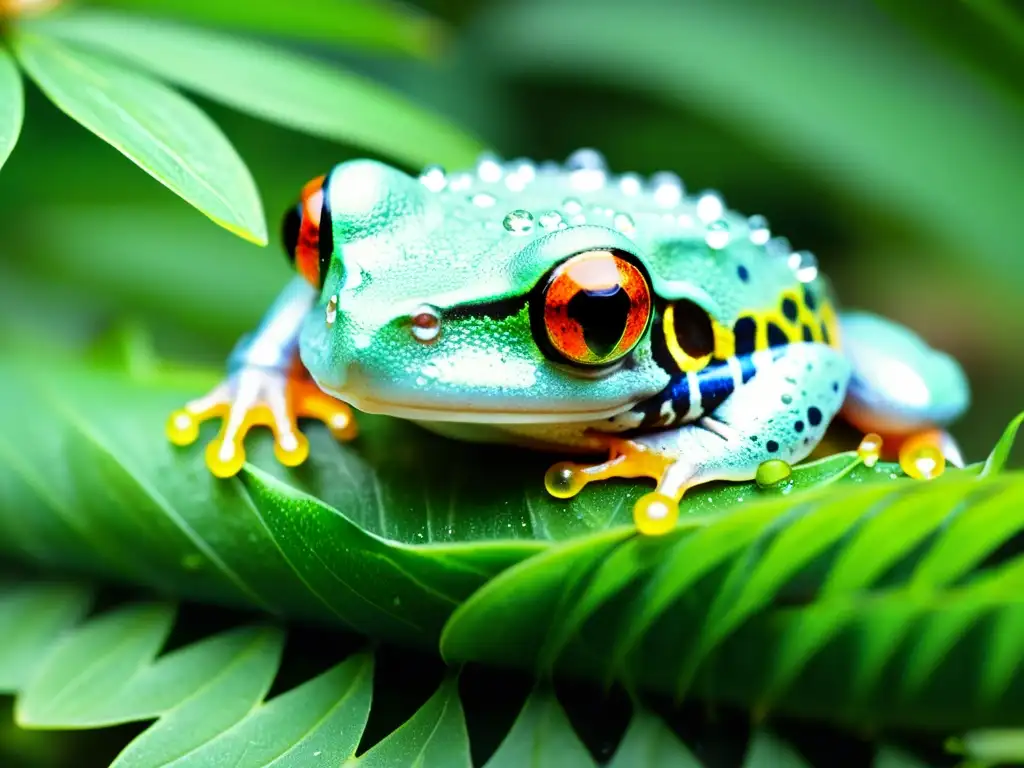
407 600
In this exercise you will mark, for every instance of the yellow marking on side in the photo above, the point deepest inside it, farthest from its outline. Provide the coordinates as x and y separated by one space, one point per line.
725 341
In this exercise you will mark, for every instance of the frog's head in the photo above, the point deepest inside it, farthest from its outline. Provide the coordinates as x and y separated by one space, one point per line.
438 306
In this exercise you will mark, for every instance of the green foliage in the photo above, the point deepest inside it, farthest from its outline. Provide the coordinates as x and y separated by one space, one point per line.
172 139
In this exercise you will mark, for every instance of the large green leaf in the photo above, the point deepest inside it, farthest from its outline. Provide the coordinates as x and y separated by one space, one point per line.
12 105
273 84
832 88
370 24
157 129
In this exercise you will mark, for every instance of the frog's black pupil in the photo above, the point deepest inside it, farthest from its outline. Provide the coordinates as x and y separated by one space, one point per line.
290 227
602 314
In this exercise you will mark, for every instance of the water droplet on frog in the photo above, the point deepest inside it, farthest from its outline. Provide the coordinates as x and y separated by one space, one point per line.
515 183
710 207
624 223
578 219
488 167
425 323
759 232
518 222
434 178
630 184
550 220
524 168
483 200
685 221
772 472
717 236
804 265
667 189
459 182
586 159
572 205
779 246
870 449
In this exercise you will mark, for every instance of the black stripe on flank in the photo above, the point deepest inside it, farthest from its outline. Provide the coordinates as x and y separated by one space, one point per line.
776 336
326 235
716 384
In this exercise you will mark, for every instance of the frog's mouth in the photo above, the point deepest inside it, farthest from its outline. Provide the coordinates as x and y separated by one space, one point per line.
478 415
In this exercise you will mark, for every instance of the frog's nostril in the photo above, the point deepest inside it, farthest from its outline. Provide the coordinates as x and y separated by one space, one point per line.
425 323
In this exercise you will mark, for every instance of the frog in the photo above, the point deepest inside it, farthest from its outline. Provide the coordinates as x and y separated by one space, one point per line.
619 322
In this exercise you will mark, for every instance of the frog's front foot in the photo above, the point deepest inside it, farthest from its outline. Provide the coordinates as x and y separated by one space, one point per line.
252 397
654 513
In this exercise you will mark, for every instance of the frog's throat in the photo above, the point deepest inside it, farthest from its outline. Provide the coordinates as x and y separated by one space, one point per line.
478 415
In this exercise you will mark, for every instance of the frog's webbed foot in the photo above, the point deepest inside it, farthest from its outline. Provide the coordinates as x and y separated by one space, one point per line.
254 396
654 513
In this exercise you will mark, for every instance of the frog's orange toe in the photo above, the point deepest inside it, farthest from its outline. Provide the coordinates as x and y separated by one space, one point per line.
252 398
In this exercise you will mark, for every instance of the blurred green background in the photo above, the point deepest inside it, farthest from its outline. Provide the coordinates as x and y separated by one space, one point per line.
886 137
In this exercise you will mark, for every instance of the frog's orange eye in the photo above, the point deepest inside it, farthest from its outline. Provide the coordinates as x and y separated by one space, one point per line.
302 236
596 308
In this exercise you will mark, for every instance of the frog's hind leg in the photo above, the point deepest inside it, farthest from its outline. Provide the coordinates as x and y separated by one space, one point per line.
904 391
781 412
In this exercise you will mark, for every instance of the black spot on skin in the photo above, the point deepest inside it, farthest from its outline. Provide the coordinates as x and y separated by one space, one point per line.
694 333
799 426
789 309
824 334
772 446
808 334
835 386
776 336
744 273
602 315
809 300
745 331
814 416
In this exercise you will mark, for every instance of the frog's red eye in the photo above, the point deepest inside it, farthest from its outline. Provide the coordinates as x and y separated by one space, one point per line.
596 308
301 231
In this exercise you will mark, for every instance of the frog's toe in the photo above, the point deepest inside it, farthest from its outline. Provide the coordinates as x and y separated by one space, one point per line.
924 455
257 397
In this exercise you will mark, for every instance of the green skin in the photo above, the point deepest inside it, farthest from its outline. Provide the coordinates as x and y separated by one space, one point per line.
455 244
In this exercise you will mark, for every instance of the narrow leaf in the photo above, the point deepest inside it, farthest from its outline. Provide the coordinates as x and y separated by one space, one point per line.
541 737
93 664
318 723
370 24
227 696
275 85
1001 453
767 751
160 131
649 742
12 105
435 735
33 617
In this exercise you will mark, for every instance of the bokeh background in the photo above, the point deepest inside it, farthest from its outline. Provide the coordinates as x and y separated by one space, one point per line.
887 137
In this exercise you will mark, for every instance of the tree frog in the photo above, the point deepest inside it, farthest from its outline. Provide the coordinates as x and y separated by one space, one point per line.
636 329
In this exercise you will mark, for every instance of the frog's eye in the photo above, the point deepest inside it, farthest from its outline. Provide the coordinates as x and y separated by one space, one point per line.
308 248
596 307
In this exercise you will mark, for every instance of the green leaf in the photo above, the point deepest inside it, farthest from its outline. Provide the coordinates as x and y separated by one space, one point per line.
766 751
370 24
435 735
648 741
154 127
541 737
1001 453
320 722
12 105
273 84
815 114
33 617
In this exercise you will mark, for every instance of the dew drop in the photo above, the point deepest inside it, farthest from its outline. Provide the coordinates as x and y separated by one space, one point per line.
710 207
624 223
550 220
434 178
804 265
772 472
667 189
759 232
518 222
572 205
779 246
586 159
488 167
630 184
524 169
459 182
717 236
332 310
483 200
870 449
